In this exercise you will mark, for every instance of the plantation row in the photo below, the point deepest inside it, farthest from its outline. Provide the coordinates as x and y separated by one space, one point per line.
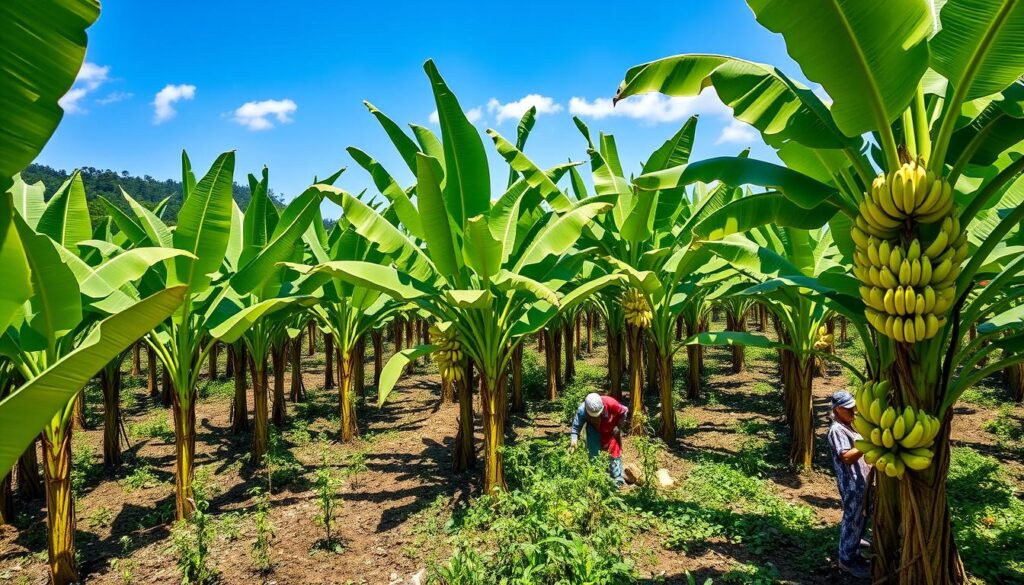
897 208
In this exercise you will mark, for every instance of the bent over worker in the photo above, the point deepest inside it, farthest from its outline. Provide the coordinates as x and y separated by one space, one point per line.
605 418
852 475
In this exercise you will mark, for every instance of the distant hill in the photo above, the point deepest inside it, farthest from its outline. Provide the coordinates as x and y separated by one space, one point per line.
145 189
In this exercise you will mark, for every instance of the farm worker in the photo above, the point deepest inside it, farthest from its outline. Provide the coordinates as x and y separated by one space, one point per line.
605 418
852 479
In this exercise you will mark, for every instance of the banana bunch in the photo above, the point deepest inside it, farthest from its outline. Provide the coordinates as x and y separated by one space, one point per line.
449 355
825 339
908 193
893 441
909 289
635 309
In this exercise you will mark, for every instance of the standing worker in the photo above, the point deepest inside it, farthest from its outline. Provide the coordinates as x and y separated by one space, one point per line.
852 479
605 418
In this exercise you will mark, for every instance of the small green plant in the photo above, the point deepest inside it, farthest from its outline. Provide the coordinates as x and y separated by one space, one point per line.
218 388
85 468
124 566
325 488
1008 429
100 518
191 540
140 477
155 427
283 467
648 449
261 559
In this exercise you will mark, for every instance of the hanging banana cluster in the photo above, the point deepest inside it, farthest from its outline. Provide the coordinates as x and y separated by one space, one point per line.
825 339
908 284
449 355
893 441
635 309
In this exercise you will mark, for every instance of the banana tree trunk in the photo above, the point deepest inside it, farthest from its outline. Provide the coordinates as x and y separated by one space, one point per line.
540 341
570 350
278 361
359 368
214 350
229 363
137 359
378 357
693 365
1015 381
579 337
556 352
653 367
166 387
668 412
885 528
590 332
297 391
110 384
465 449
240 403
311 337
78 416
634 341
30 485
798 384
518 405
329 361
6 500
739 324
410 341
185 451
842 329
929 553
615 364
60 510
151 371
551 363
679 328
260 406
493 400
349 425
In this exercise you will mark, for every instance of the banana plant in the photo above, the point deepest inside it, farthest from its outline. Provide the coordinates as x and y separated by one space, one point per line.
796 274
490 271
650 236
348 311
261 298
76 321
922 137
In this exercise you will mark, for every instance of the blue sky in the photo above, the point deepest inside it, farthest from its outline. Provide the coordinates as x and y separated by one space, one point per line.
282 83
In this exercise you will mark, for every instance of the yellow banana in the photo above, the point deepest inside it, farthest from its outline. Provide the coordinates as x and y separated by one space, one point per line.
876 437
885 276
920 329
859 237
897 301
899 428
905 272
931 326
887 440
926 271
909 332
915 462
888 301
914 436
897 329
938 245
888 418
915 271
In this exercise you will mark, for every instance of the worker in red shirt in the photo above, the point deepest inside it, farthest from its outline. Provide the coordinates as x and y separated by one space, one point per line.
605 418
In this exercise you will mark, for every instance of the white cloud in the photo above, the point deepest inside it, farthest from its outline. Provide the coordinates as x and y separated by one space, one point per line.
70 100
474 115
92 75
256 115
652 107
163 103
114 97
89 77
515 110
737 133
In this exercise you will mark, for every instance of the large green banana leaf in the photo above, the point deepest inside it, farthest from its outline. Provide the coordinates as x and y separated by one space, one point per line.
30 407
980 45
869 56
436 225
204 225
17 286
66 218
42 50
389 187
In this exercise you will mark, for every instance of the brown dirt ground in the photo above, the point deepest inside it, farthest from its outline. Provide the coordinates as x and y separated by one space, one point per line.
406 481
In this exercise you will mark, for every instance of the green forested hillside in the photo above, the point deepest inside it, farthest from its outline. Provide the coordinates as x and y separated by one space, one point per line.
105 182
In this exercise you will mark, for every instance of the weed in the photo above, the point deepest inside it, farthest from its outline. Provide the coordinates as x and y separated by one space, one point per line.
1008 429
325 488
648 448
124 566
140 477
218 388
155 427
191 541
264 532
85 468
100 518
